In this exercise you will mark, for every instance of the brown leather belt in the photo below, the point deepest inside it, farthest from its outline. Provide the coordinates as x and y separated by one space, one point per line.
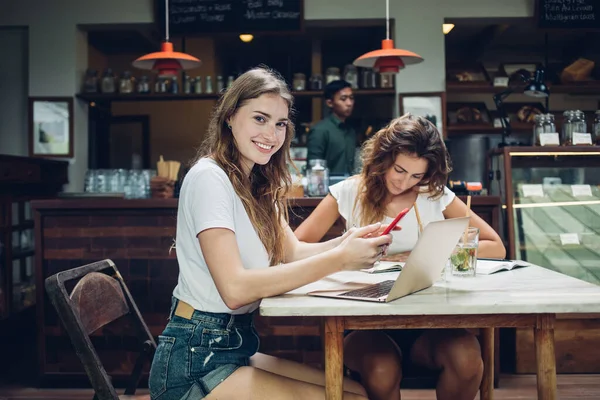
184 310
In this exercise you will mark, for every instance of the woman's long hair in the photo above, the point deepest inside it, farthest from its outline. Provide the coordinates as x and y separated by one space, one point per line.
408 135
263 192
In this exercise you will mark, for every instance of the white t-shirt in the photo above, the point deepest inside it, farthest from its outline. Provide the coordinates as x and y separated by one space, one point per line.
207 200
346 191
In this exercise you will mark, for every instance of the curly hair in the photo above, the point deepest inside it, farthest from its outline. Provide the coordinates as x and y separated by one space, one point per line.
263 192
410 135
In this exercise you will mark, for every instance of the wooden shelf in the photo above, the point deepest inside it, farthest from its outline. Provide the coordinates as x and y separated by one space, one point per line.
109 97
466 129
592 87
555 150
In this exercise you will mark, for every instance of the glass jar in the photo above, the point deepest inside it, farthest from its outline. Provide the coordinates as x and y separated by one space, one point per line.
316 82
209 86
567 128
143 85
90 84
188 82
299 81
544 131
369 79
126 83
198 85
581 136
332 74
538 129
108 81
318 178
596 128
387 80
351 75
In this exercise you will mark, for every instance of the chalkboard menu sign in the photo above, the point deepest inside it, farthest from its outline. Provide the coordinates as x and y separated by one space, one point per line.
189 17
568 14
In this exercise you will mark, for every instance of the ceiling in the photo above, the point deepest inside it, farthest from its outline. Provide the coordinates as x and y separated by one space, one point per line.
494 39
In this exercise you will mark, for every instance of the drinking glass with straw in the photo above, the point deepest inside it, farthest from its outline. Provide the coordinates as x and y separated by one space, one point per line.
463 260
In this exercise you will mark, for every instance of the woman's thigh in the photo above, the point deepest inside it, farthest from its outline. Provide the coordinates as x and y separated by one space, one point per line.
300 372
434 345
250 383
362 347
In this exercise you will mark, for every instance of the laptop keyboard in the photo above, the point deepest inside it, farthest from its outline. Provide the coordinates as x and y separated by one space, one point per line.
373 291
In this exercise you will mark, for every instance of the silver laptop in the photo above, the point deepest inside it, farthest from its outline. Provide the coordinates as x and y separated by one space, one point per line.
423 267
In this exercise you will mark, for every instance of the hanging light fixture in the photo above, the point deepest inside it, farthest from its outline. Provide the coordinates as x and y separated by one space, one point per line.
166 61
387 60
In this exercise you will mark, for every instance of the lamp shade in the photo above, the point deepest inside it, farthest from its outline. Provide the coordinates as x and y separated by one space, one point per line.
167 61
387 60
536 87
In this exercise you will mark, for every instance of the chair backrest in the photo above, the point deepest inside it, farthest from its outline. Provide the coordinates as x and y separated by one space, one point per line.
99 297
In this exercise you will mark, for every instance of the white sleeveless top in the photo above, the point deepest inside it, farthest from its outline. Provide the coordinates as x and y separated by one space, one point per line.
346 192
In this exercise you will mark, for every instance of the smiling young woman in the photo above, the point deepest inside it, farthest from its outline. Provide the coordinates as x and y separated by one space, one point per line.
234 247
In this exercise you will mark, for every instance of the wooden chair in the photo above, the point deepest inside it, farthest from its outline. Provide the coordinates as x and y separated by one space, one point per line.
99 297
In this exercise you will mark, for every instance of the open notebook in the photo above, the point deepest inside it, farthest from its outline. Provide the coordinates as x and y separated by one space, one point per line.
484 266
488 266
384 266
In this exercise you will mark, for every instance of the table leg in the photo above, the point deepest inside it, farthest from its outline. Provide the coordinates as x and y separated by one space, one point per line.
334 358
545 357
486 390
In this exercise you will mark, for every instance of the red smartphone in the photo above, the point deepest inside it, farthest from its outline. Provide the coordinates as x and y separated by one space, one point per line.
395 221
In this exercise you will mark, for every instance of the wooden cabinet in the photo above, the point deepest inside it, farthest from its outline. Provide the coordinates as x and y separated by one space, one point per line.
22 180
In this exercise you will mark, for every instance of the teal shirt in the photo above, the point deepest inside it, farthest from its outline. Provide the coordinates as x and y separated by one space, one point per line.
334 141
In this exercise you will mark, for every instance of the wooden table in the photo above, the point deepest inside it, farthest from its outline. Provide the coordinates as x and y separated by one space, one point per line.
525 297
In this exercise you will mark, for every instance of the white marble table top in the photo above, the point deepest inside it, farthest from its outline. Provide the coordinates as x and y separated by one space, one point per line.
529 290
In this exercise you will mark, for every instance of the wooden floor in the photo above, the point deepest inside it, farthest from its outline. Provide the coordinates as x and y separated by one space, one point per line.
514 387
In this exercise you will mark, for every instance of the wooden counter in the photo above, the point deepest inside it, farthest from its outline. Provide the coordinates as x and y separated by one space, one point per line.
137 235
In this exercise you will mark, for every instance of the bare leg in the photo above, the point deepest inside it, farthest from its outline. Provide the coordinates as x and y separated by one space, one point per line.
249 383
378 361
299 372
457 354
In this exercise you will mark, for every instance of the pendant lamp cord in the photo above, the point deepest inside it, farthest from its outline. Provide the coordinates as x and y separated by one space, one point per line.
387 18
166 20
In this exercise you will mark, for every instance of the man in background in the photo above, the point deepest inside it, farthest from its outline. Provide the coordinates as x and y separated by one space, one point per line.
333 139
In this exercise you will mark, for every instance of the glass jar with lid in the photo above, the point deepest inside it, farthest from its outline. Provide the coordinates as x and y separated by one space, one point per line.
332 74
544 131
126 83
316 82
299 82
351 75
567 128
108 81
90 84
538 129
581 136
143 85
318 178
596 128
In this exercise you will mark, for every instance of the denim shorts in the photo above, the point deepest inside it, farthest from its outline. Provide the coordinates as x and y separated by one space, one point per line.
195 355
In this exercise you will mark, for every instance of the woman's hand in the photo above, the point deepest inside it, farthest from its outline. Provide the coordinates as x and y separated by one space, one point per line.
398 257
362 247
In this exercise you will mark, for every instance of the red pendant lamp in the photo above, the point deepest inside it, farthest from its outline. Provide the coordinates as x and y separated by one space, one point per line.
387 60
166 61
